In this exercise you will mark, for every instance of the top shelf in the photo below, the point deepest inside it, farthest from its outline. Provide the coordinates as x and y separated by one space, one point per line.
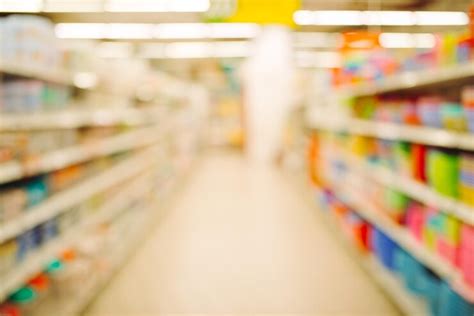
57 76
412 80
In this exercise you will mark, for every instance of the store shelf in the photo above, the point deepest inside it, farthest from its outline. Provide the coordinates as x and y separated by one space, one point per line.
391 285
363 207
37 72
36 262
409 303
75 118
74 195
392 131
62 158
412 188
411 80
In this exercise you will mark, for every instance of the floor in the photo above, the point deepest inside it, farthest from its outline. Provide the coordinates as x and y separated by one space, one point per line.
241 240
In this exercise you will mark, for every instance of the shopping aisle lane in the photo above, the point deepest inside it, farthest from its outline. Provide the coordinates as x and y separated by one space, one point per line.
241 240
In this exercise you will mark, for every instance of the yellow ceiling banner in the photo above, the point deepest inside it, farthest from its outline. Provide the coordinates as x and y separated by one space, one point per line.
265 11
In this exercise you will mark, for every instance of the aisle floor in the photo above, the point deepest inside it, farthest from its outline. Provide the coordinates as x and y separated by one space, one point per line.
240 240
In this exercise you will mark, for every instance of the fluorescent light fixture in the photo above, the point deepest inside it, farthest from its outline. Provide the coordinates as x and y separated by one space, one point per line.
73 6
181 31
344 17
104 30
407 40
21 5
80 30
234 30
128 31
195 50
389 18
157 5
318 59
169 31
441 18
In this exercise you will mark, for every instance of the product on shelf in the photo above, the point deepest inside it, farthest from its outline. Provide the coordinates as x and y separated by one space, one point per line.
30 40
418 280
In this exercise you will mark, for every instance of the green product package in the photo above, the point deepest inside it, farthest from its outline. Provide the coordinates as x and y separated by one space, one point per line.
443 173
395 201
23 296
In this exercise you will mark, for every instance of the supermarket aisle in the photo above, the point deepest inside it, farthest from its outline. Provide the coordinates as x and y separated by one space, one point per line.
240 240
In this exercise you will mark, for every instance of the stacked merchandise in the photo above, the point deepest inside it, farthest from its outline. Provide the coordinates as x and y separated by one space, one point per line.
400 166
433 111
417 279
70 192
376 63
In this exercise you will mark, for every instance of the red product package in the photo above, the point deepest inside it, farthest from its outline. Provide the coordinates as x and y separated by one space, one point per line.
419 162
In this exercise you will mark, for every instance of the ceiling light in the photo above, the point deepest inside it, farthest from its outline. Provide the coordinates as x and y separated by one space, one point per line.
181 31
128 31
159 31
157 5
234 30
193 50
21 5
441 18
389 18
304 17
80 30
104 30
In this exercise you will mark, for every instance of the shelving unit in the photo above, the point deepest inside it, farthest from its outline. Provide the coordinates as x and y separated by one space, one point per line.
76 117
411 80
415 190
63 200
15 170
36 262
387 281
391 131
21 69
343 189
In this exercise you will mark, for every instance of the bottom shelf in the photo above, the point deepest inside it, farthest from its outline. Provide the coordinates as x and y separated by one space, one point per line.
391 285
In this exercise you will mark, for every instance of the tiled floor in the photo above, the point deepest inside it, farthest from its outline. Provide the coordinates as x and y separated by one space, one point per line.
240 240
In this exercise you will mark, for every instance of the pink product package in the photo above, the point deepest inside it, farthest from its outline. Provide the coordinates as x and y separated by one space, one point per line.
467 253
416 220
448 252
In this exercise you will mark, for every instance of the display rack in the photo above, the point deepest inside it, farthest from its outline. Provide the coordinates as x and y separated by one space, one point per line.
411 80
339 122
70 197
368 211
36 262
22 69
15 170
391 131
75 117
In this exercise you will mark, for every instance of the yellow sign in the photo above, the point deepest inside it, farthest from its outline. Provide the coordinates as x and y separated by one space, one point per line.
266 11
